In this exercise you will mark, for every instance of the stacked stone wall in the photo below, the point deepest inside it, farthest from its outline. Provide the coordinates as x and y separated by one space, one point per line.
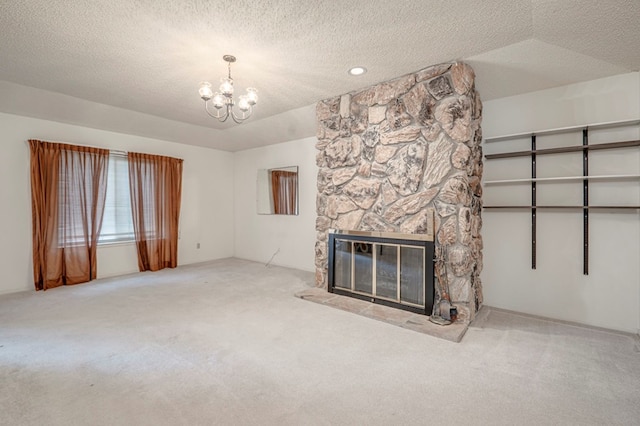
392 154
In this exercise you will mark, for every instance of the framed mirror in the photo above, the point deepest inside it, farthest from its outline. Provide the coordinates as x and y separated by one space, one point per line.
277 190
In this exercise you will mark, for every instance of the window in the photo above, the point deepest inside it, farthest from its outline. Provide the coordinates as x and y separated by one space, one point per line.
117 223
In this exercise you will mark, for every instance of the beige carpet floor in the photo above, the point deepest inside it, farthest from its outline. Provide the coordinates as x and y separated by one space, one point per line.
227 343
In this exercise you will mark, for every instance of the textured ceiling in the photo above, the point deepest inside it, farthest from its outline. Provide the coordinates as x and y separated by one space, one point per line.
148 56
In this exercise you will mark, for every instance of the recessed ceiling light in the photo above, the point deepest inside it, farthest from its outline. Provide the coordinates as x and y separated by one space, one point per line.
357 70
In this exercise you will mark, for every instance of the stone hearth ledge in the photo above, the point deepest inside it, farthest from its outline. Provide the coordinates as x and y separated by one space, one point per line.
397 317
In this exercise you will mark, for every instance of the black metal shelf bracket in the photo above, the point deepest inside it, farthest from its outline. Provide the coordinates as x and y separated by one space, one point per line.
533 202
585 202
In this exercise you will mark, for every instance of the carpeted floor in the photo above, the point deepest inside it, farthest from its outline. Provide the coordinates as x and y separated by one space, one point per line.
227 343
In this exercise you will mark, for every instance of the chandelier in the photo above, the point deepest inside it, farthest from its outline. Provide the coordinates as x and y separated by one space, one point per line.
223 101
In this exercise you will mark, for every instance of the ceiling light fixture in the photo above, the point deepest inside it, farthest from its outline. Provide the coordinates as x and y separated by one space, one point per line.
223 100
357 70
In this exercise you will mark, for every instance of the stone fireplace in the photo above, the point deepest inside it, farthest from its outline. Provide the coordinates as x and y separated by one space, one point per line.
404 156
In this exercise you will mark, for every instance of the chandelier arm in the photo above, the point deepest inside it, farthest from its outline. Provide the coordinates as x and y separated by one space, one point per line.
221 118
238 119
206 108
226 115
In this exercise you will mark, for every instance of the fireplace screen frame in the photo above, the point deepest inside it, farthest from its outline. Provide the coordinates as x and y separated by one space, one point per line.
424 242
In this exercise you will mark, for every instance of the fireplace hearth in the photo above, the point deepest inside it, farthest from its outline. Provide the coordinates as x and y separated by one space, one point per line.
391 269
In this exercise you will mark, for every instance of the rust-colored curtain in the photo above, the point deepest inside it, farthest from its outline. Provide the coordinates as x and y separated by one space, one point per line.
156 188
68 190
284 187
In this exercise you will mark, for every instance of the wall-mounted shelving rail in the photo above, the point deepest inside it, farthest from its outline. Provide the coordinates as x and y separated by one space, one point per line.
533 153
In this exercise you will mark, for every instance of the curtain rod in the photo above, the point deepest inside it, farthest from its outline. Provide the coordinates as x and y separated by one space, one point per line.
111 151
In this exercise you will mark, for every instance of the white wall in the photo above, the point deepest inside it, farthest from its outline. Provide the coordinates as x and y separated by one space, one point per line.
610 295
207 197
258 237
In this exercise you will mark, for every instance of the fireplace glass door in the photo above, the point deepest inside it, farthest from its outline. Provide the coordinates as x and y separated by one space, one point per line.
343 258
362 267
387 272
382 270
410 274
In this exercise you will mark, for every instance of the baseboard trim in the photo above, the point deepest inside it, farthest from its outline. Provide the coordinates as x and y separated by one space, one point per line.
559 321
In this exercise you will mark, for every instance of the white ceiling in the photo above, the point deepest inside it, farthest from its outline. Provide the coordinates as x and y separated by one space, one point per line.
142 60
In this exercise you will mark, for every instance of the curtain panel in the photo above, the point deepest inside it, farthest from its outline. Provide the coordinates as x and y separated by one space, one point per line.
156 190
284 186
68 191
